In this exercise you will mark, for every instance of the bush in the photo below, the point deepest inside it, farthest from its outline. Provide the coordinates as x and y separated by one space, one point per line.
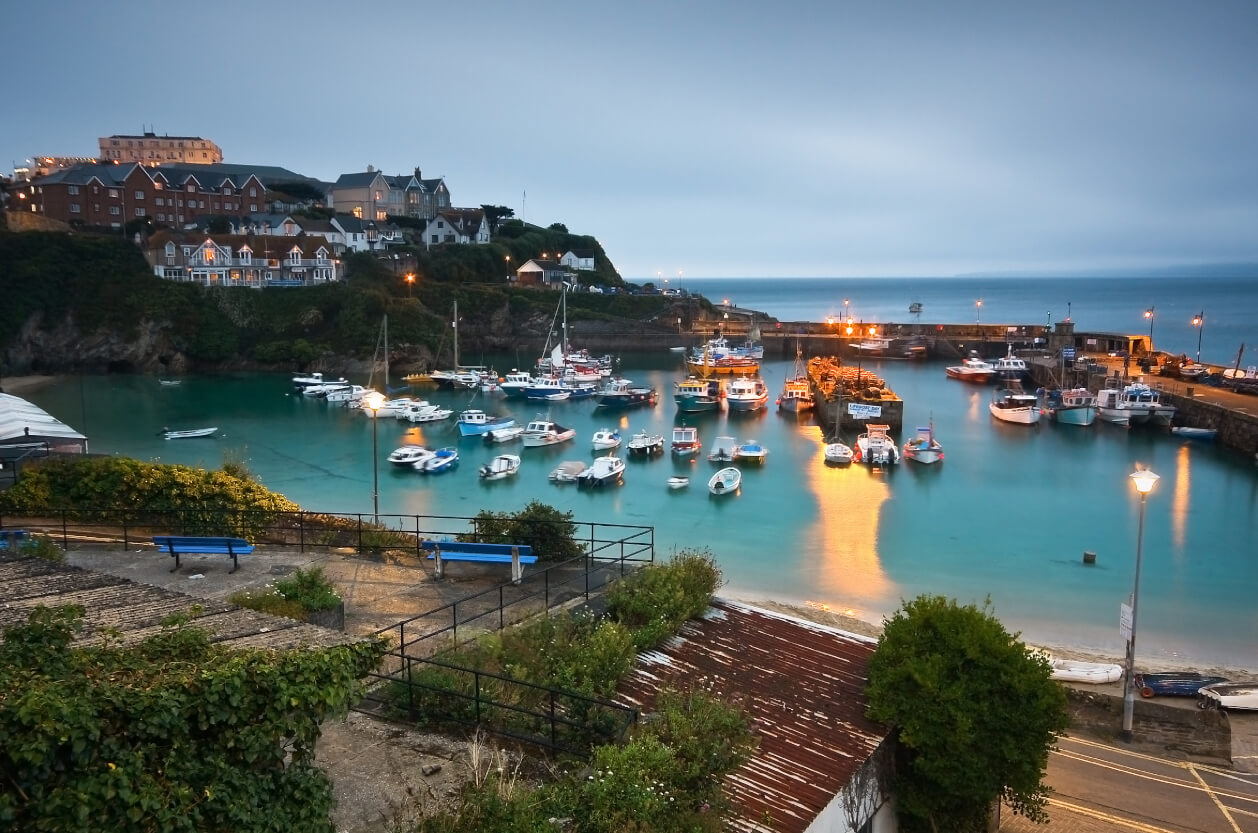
654 601
550 533
306 591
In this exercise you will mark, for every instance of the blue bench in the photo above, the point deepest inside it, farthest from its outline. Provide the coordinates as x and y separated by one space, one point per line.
177 545
517 555
13 538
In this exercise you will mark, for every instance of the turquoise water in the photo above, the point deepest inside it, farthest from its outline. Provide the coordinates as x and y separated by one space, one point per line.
1007 515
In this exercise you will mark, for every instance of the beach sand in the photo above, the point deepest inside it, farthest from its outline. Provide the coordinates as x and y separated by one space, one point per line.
16 385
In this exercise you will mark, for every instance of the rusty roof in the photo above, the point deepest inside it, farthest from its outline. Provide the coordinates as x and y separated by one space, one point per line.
136 611
802 685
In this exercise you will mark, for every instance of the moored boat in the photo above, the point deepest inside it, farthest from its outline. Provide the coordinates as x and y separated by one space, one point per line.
875 448
567 471
750 452
796 392
1015 407
504 465
747 394
1074 406
542 432
622 393
1195 433
1077 671
973 370
838 454
685 442
924 448
697 395
602 472
645 443
723 449
408 455
726 481
1133 404
1228 696
441 461
677 481
474 422
504 435
606 438
1174 683
1009 368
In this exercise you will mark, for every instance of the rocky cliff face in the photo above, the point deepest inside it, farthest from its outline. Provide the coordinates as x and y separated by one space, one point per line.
66 349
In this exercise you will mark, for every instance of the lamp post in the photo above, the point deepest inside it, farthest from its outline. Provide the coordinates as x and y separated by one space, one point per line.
507 260
978 314
1149 315
410 282
373 402
1143 480
1200 323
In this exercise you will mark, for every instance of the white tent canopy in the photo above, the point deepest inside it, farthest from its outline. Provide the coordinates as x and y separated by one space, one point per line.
22 423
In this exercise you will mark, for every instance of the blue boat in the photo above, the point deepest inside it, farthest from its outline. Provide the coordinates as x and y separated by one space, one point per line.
474 422
1174 683
697 396
442 461
621 393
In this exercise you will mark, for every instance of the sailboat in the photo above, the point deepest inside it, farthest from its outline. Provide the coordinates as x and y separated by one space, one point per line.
469 376
796 392
574 366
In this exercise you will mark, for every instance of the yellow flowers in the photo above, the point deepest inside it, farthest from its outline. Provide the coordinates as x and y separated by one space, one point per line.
111 766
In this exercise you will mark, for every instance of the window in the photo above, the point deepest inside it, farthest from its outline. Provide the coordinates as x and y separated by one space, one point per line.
227 192
113 193
170 249
158 201
141 211
246 257
200 203
358 211
436 238
382 215
74 208
253 192
95 208
294 257
161 218
379 196
187 252
191 188
208 255
74 190
253 207
115 210
139 195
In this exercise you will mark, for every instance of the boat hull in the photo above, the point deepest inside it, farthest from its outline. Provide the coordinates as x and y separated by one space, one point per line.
1084 415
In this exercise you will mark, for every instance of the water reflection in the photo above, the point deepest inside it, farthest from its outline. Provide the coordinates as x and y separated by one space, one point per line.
844 537
1179 502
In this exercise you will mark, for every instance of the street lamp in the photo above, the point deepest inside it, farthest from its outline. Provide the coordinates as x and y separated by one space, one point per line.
1143 480
1149 315
978 315
410 282
372 402
507 260
1200 323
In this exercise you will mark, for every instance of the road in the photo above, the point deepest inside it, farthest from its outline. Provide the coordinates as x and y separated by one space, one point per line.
1100 787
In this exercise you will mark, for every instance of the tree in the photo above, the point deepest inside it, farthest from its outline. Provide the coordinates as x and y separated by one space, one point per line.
494 214
976 712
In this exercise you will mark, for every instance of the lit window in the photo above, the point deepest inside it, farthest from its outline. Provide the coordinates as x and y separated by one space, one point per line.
208 255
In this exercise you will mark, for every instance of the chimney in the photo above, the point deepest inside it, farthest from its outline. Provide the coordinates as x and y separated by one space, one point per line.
371 169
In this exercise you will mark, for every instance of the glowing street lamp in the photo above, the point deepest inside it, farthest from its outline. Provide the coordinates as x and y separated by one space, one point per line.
1149 315
372 402
978 314
1143 480
507 260
410 282
1200 323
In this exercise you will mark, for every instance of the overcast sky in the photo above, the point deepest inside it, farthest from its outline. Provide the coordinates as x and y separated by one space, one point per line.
710 138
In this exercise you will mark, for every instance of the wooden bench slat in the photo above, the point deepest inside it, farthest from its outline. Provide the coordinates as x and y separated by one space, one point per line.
175 545
455 555
517 555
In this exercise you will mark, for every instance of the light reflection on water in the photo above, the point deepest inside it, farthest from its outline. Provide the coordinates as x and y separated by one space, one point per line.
845 532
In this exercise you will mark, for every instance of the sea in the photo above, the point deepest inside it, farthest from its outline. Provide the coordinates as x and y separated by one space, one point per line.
1004 520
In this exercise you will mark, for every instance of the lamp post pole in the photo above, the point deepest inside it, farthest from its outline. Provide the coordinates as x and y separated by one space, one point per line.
1149 315
978 311
1200 323
1143 480
373 403
410 282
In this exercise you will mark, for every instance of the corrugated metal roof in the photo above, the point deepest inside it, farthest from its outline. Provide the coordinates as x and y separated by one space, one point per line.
137 610
20 421
802 684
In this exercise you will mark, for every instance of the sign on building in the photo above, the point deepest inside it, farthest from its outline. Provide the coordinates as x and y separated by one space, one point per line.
862 411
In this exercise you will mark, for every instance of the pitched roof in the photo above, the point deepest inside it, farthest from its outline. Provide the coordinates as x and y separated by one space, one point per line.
216 174
273 244
583 254
22 421
356 179
802 685
467 220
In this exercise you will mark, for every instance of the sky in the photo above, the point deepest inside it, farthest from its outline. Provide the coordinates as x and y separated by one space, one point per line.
711 139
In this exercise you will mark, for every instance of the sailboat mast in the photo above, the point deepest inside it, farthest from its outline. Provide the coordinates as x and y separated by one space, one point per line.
455 324
386 353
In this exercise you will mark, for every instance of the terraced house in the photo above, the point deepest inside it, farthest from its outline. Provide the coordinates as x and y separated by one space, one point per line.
373 195
254 261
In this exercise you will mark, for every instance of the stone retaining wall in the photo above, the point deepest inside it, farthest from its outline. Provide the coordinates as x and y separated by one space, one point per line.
1161 729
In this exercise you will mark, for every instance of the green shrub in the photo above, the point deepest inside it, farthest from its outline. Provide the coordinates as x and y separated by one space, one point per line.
550 533
654 600
309 588
44 548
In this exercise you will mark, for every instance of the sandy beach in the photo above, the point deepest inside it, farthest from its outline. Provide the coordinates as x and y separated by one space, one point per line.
16 385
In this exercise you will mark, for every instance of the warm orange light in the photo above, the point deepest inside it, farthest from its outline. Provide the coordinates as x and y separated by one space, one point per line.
849 329
830 320
873 331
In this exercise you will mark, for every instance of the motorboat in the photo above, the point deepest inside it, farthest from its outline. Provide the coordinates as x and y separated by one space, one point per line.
973 370
504 435
541 432
1011 368
1190 433
740 365
424 412
726 481
838 454
188 434
1228 696
516 384
1013 406
504 465
170 383
442 460
567 471
924 448
474 422
606 438
723 449
1174 683
557 396
685 442
678 482
322 390
602 472
645 444
622 393
347 394
409 455
1077 671
1133 404
697 395
1074 406
751 452
747 394
305 380
875 447
796 392
391 407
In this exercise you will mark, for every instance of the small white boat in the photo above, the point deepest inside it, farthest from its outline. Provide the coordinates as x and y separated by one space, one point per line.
677 349
1018 408
875 447
1195 433
723 449
1076 671
567 471
442 460
924 448
1228 696
678 482
504 465
602 472
557 396
189 434
424 412
606 438
725 481
541 432
170 383
409 455
504 435
838 454
751 452
973 370
644 443
347 394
